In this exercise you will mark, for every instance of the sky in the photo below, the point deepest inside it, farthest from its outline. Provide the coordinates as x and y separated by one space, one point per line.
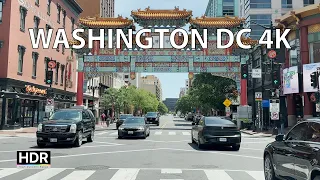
171 82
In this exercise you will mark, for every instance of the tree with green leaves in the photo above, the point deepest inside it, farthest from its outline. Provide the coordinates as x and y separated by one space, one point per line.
162 108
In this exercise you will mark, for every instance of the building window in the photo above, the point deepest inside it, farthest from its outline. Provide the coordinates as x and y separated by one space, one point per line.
1 9
314 52
23 14
49 7
46 60
262 19
62 74
294 56
35 57
286 3
48 27
57 73
72 24
126 76
21 51
260 4
228 7
308 2
63 47
58 14
37 2
36 25
64 18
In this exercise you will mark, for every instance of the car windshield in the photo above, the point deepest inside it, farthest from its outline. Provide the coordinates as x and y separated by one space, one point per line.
66 115
151 114
209 121
124 116
134 121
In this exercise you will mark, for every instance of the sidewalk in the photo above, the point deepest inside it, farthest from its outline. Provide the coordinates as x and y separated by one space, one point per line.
34 130
262 134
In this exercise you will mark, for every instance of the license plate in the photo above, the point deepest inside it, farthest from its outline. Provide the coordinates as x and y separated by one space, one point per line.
223 139
53 140
130 132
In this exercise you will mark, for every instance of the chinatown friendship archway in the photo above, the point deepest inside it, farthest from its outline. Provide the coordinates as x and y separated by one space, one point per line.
220 62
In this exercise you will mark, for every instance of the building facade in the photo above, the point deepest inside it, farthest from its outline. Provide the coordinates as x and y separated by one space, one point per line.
90 8
301 60
182 92
133 82
107 8
170 103
152 84
262 12
23 69
219 8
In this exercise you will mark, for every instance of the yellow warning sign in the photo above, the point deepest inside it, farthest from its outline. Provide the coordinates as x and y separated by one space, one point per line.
227 102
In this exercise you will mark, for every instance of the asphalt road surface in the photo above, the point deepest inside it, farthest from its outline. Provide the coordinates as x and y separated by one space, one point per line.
167 154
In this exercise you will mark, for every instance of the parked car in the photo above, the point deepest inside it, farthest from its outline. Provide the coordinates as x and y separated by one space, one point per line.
134 127
152 118
67 126
295 155
215 131
122 117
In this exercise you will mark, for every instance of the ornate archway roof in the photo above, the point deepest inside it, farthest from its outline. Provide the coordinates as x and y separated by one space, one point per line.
246 41
112 23
217 22
156 14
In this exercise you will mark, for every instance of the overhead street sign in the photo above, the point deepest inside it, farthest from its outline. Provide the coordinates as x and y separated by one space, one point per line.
274 115
256 73
227 102
258 96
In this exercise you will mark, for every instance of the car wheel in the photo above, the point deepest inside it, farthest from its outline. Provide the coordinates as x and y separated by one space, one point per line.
91 136
119 137
40 144
268 168
200 146
78 141
236 147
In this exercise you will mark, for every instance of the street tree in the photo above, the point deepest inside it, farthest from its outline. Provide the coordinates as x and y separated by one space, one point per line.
162 108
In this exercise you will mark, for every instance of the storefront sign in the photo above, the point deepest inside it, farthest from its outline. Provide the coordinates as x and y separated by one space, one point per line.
35 10
34 90
290 80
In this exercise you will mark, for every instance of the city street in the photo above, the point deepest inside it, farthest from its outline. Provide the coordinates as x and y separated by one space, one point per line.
166 154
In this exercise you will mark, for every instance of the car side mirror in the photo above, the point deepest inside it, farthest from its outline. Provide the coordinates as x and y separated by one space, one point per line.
279 137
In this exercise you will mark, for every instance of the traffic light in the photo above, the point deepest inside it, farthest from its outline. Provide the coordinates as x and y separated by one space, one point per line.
49 77
244 71
314 79
276 78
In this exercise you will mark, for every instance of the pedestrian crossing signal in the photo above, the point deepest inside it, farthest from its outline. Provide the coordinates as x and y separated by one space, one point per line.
314 79
49 77
244 71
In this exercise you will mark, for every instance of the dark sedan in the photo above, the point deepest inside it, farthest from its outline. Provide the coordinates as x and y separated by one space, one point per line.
215 131
134 127
152 118
295 155
122 118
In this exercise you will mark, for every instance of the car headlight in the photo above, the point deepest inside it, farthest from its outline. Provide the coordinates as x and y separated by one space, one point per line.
120 128
39 128
141 128
73 128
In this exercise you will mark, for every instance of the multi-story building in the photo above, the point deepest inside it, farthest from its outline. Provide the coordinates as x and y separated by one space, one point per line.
23 68
152 84
263 12
107 8
218 8
90 8
133 82
170 103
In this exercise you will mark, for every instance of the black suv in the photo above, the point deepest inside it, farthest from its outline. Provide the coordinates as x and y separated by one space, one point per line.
67 126
152 118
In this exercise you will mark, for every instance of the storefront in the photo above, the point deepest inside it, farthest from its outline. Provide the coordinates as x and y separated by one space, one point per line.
23 105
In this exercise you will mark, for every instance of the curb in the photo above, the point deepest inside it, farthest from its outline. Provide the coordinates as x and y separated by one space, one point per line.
245 132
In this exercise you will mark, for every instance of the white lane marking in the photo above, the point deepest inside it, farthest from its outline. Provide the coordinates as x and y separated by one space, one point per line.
217 174
45 174
257 175
78 175
8 172
186 133
253 149
172 133
106 143
98 134
171 171
114 133
166 141
158 133
125 174
171 179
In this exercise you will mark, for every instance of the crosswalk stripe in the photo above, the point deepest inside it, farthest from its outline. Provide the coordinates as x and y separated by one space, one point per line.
45 174
217 174
114 133
8 172
172 133
158 133
79 175
257 175
171 171
98 134
186 133
125 174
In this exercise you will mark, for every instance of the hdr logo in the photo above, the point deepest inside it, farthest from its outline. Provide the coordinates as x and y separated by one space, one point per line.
33 159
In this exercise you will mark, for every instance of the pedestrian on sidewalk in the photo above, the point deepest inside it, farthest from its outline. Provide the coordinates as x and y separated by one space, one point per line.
103 119
108 120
